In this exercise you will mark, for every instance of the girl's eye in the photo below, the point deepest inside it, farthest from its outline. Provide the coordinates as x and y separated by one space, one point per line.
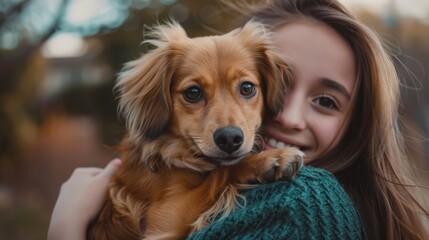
247 89
326 102
193 94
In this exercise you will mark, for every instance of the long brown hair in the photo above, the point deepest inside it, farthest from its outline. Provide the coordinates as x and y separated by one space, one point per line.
370 160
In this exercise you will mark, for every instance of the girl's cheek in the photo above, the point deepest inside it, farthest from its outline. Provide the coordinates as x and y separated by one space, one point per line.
328 134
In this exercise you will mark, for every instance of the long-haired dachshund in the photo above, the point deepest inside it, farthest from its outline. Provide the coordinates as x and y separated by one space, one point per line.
193 109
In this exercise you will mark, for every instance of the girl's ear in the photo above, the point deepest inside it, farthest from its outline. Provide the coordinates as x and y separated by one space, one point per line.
273 68
144 86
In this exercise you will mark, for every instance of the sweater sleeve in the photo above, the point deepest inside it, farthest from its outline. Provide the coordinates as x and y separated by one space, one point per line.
311 206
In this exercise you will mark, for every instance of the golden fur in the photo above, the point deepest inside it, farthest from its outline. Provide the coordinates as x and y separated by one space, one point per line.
175 176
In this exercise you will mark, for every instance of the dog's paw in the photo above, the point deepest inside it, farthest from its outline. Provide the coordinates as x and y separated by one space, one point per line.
283 163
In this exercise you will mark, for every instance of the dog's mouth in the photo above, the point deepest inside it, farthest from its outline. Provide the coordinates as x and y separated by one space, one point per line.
223 161
220 159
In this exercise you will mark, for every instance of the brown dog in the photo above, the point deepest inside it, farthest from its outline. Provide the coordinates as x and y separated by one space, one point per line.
193 109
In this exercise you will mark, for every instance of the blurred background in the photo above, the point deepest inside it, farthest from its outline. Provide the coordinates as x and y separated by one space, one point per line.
58 64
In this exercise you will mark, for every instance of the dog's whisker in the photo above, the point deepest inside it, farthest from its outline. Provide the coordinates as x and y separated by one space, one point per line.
194 137
256 149
259 138
258 145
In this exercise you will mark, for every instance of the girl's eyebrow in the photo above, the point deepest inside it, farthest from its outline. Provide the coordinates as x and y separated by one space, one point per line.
335 86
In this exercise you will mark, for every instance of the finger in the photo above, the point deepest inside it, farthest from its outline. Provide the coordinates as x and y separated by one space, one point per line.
92 171
111 167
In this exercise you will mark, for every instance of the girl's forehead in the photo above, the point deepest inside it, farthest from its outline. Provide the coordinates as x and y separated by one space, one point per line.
316 51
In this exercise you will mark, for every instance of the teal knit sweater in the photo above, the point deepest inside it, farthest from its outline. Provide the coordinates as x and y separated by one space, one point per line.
311 206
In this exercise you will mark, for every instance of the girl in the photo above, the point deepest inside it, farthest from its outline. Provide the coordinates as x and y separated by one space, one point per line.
348 127
341 110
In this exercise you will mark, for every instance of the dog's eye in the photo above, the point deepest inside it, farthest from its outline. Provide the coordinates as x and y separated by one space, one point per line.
247 89
193 94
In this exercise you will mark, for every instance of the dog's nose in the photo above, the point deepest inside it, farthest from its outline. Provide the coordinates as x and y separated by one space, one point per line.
228 139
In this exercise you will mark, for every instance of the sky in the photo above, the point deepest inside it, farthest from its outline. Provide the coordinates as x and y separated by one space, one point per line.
84 11
81 11
407 8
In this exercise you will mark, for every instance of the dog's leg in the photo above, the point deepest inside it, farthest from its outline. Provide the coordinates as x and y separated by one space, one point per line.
268 165
265 166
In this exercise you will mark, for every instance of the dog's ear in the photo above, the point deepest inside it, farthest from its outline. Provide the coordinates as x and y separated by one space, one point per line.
144 85
272 66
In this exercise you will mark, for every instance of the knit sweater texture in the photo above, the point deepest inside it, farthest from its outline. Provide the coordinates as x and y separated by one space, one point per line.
311 206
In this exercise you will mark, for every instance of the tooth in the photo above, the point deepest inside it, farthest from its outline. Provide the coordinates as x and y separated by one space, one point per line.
272 142
280 145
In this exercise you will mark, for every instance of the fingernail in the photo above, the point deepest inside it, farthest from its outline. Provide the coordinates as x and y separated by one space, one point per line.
116 162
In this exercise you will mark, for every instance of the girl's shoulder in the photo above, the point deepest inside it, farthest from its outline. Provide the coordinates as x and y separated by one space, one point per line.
311 206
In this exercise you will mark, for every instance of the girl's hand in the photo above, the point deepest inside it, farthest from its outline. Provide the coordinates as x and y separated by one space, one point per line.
80 200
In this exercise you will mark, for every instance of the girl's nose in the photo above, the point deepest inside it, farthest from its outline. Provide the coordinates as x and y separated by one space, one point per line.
293 115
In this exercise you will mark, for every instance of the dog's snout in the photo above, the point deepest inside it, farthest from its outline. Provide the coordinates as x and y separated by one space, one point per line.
228 139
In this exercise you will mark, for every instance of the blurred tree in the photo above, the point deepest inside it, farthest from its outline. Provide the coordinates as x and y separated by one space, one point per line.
10 20
12 13
27 24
